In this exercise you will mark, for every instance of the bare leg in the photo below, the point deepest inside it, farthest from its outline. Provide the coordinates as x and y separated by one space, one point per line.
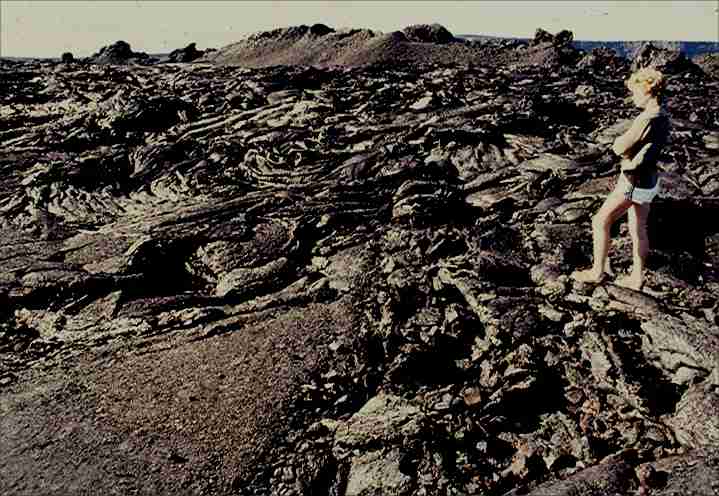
614 206
638 215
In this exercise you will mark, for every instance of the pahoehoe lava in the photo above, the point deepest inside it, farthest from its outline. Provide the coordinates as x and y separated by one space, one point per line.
335 262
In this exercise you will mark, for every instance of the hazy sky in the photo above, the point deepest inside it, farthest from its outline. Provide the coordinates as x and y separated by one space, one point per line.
48 28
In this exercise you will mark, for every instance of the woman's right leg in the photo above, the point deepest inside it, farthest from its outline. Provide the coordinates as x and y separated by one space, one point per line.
638 215
614 207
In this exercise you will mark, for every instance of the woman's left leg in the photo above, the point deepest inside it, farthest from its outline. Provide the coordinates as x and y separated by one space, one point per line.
614 207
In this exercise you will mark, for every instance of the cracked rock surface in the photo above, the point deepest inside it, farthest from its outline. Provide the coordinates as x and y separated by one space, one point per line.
351 278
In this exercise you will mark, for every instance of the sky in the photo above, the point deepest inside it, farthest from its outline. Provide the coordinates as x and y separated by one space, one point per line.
47 28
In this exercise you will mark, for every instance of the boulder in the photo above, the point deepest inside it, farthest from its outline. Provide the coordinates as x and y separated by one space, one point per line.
120 53
385 419
607 479
692 474
187 54
695 421
561 39
375 473
709 63
667 61
428 33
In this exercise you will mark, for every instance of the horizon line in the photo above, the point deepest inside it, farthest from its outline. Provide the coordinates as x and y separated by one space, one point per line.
460 36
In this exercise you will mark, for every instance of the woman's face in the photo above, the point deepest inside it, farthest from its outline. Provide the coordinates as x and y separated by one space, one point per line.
640 96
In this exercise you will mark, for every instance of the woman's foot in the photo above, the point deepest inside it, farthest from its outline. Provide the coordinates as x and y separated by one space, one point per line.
608 268
631 282
589 275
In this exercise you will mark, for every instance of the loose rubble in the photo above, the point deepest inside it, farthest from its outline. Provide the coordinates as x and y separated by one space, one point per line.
349 276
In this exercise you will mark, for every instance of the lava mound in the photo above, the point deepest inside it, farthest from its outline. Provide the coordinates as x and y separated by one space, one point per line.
323 46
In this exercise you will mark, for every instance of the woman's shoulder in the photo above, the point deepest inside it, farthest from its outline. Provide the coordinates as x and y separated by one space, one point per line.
657 117
660 113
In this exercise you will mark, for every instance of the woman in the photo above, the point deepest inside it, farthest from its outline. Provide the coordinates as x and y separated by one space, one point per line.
638 181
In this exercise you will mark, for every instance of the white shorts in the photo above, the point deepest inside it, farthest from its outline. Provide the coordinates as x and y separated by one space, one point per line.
636 195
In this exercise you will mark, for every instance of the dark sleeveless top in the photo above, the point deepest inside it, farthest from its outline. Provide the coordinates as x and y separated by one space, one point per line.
642 144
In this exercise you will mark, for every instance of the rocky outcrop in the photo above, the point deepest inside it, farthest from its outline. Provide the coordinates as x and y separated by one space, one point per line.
709 64
607 479
293 280
603 60
694 473
428 33
545 49
561 39
187 54
120 53
665 60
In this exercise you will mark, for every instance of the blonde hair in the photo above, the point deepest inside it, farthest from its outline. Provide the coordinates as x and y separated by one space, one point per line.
649 79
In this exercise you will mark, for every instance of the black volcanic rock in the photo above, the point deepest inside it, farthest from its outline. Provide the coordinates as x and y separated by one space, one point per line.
428 33
561 39
67 58
627 49
119 52
187 54
294 32
709 64
542 36
695 473
667 61
350 278
544 49
320 30
606 479
603 60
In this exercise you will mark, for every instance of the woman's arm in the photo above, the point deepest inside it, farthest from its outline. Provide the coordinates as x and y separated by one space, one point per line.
624 143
